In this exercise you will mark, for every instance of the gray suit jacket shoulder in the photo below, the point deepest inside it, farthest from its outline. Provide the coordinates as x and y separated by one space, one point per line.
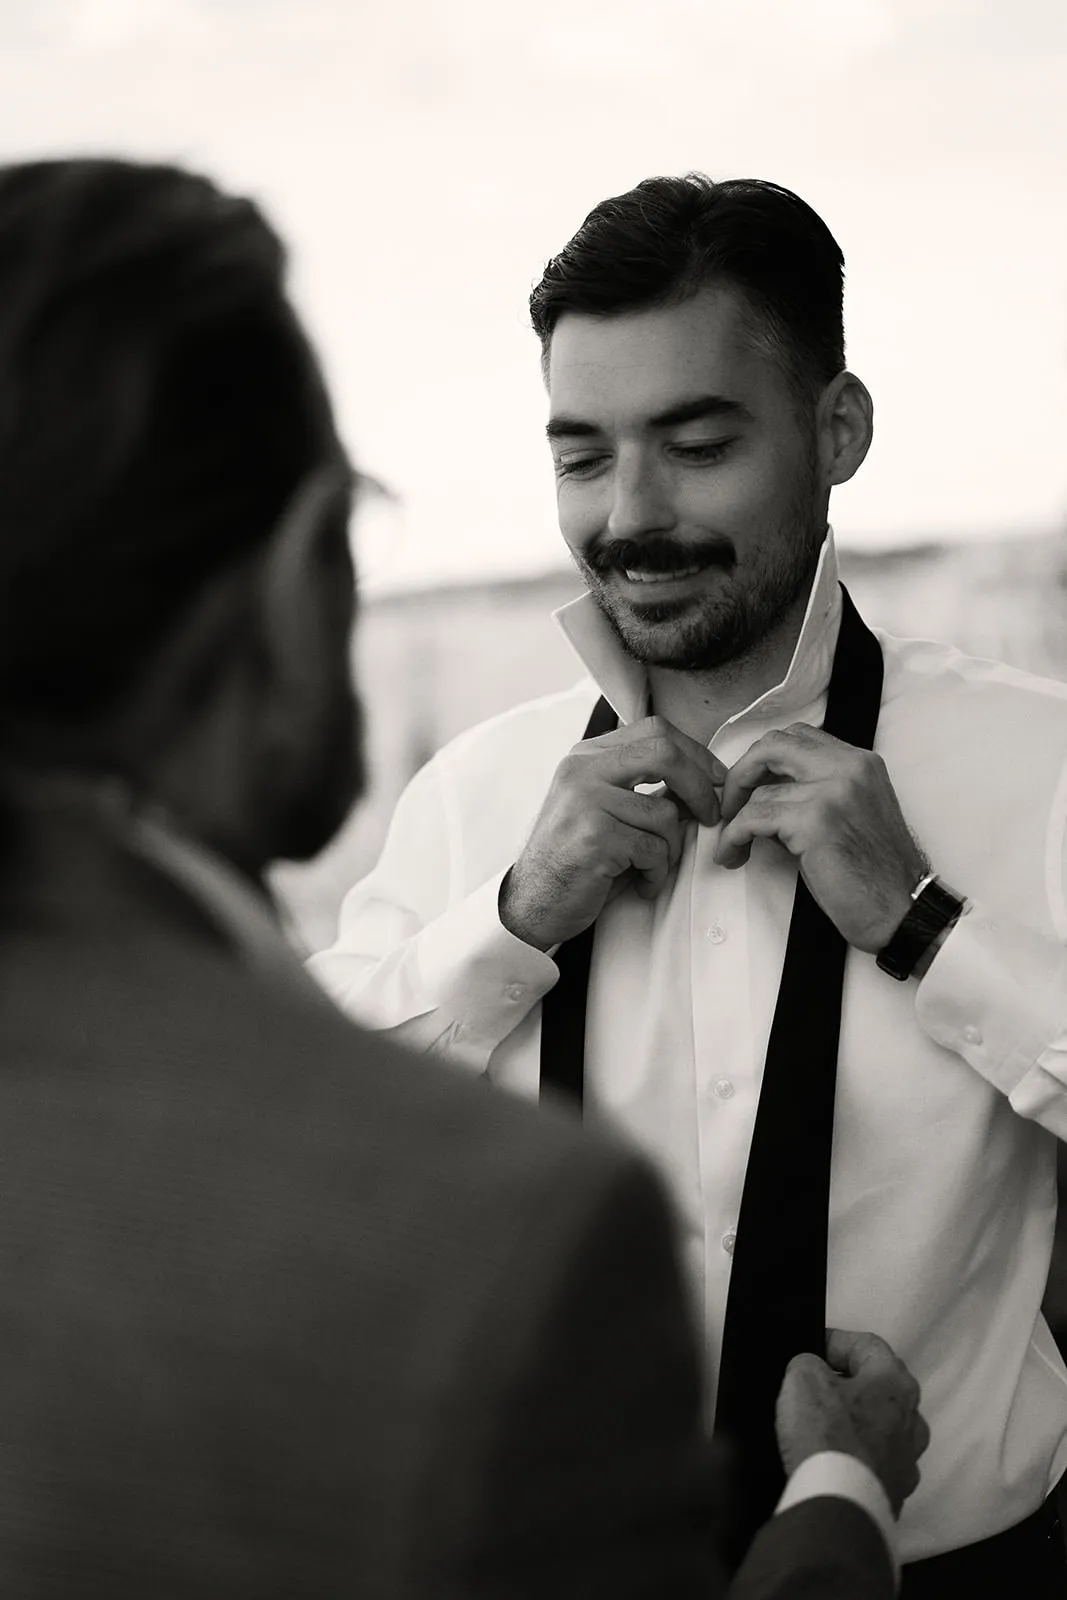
285 1313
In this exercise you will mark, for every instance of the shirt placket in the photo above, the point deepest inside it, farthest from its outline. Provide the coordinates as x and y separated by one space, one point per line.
726 1087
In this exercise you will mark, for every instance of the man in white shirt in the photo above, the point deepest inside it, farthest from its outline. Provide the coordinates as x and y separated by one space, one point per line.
701 413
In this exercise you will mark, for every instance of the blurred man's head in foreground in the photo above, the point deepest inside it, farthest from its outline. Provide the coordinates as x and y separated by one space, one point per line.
176 587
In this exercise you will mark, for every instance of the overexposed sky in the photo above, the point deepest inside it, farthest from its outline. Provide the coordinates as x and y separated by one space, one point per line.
424 158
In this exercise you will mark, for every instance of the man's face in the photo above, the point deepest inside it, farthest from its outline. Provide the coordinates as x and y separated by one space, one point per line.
687 479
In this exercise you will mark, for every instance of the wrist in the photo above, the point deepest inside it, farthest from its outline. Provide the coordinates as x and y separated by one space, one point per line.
933 912
515 922
928 956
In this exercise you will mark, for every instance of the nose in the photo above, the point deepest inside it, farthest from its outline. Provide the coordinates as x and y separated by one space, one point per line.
640 502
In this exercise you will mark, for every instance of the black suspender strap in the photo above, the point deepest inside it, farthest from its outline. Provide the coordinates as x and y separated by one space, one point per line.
563 1016
776 1305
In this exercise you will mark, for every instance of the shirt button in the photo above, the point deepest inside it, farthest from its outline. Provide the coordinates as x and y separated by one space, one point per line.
971 1034
715 934
723 1088
515 991
728 1240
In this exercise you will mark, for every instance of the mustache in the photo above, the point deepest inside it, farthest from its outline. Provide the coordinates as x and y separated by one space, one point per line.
657 553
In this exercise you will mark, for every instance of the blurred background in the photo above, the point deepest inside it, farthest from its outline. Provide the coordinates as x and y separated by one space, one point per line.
425 157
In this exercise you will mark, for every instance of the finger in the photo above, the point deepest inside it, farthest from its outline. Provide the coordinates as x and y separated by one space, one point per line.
806 1362
921 1433
650 860
622 852
662 754
647 851
654 728
796 754
770 814
648 813
662 791
852 1353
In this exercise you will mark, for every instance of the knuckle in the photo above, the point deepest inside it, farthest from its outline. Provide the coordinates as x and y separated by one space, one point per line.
659 749
599 837
802 1364
661 811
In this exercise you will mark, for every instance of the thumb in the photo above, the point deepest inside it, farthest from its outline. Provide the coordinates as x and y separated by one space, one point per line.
849 1352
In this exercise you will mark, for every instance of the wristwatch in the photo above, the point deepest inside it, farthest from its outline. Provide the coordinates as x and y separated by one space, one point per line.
935 908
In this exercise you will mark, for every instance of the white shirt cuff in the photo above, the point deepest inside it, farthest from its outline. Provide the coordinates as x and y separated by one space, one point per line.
996 994
479 974
835 1473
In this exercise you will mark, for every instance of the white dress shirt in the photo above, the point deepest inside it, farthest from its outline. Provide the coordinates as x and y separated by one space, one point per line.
950 1091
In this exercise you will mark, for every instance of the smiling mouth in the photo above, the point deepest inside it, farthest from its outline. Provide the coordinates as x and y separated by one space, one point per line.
635 576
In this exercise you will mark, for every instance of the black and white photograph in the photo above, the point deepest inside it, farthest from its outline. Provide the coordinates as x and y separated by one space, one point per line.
533 800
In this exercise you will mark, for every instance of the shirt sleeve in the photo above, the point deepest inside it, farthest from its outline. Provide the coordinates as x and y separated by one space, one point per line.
440 974
832 1472
996 993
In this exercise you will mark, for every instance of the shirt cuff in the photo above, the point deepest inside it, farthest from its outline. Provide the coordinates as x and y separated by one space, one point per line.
479 974
996 994
833 1472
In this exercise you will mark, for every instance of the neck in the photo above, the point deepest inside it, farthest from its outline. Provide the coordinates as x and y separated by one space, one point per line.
700 702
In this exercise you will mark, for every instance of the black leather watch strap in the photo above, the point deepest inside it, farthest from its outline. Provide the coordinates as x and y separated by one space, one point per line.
933 910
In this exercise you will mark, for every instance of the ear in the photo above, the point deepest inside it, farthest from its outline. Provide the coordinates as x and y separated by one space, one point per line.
845 428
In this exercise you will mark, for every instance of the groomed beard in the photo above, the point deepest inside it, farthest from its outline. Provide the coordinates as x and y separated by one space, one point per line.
684 635
330 781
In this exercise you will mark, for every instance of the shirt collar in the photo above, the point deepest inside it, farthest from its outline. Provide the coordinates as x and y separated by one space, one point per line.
624 683
254 923
253 920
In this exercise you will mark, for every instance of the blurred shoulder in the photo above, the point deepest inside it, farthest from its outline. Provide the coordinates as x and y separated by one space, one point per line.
434 1115
925 669
948 715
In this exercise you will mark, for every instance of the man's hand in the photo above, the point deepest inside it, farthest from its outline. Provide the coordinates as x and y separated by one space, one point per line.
595 836
833 808
860 1400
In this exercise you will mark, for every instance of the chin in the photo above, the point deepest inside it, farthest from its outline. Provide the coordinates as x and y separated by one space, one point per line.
681 637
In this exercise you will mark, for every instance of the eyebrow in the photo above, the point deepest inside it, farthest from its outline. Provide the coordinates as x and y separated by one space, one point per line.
704 408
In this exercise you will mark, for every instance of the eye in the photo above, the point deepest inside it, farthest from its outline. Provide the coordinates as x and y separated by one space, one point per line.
703 454
579 467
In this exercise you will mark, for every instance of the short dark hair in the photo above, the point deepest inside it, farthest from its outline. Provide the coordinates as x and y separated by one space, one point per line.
159 406
663 241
